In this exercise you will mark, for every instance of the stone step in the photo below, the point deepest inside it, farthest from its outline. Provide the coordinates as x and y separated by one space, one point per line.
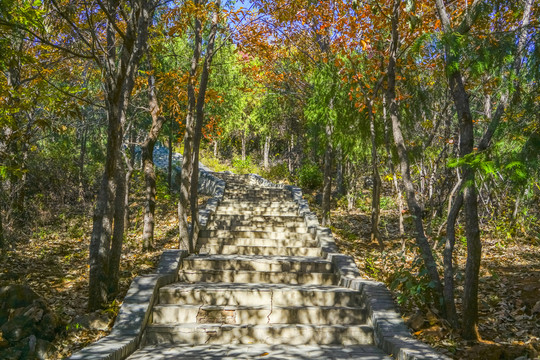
248 276
263 235
256 209
250 294
290 334
257 263
258 314
260 227
266 212
256 351
257 218
261 250
257 203
258 223
239 241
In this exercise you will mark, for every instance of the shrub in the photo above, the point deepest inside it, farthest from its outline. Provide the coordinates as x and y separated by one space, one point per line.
279 172
310 176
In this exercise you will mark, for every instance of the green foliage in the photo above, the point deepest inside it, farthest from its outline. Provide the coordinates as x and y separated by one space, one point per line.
244 166
310 176
276 173
411 283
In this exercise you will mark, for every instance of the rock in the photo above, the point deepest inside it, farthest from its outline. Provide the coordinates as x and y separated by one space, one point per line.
92 321
416 322
3 342
16 296
34 319
17 328
536 307
42 349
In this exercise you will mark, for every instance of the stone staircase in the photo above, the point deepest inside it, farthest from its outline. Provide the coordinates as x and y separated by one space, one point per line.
258 287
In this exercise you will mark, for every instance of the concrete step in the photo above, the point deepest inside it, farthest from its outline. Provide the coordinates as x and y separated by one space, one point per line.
250 294
239 241
257 218
251 203
264 235
255 294
258 223
261 250
256 209
257 263
259 227
266 212
249 276
258 314
256 351
290 334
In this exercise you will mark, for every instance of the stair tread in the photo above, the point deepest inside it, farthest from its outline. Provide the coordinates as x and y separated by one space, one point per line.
251 351
256 287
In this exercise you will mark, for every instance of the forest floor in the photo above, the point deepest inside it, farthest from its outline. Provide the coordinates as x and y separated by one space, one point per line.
509 293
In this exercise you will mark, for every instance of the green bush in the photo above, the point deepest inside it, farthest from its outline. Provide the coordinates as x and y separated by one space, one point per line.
277 173
310 176
244 166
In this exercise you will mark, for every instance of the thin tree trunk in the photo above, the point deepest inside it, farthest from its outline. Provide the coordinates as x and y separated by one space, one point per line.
327 187
215 148
169 163
82 156
129 162
193 236
187 160
414 207
395 182
449 299
243 145
118 232
266 152
376 191
339 172
148 164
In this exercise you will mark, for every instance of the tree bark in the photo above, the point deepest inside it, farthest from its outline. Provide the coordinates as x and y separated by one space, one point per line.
376 191
148 163
187 160
327 174
414 207
243 145
339 172
266 152
82 156
119 81
118 231
169 163
215 148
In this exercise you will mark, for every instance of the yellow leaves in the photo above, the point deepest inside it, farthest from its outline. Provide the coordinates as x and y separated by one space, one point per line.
364 45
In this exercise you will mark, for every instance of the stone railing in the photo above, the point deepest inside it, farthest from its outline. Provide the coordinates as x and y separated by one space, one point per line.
390 332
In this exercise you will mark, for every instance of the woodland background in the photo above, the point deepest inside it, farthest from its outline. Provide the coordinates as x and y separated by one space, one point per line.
412 126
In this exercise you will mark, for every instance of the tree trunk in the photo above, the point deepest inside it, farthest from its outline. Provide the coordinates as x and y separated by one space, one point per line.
327 187
129 162
82 156
148 164
119 84
118 232
193 236
339 172
395 182
414 207
187 160
215 148
169 163
243 145
376 193
266 152
449 299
